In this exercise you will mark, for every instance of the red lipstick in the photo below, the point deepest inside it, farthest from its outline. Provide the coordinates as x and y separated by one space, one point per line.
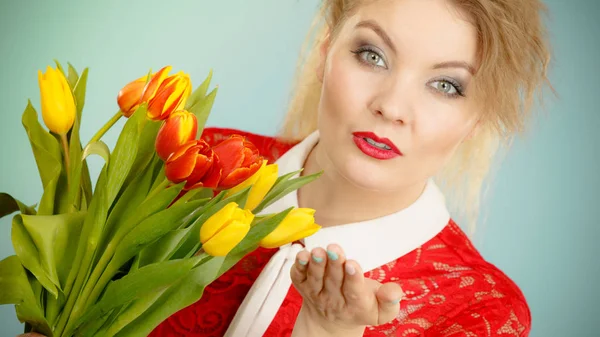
376 147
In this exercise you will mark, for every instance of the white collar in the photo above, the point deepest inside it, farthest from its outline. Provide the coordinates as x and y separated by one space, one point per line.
381 240
371 243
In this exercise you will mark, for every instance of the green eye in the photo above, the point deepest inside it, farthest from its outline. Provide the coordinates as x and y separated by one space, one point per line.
372 58
445 87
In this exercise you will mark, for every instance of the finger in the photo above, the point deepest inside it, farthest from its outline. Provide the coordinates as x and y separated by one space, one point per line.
316 271
299 269
353 288
388 298
334 271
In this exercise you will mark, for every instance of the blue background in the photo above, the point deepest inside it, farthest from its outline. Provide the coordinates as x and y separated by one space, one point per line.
541 216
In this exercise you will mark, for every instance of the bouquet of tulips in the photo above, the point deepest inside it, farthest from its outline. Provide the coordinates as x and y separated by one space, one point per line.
168 213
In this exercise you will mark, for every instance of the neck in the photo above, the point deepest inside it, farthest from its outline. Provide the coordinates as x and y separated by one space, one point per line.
337 201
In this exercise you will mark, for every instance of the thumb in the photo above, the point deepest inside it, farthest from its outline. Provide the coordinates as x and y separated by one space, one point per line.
388 298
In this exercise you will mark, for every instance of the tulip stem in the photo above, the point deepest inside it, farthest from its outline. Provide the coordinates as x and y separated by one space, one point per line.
106 127
65 144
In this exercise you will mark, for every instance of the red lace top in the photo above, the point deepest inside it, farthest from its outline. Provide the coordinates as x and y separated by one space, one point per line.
451 290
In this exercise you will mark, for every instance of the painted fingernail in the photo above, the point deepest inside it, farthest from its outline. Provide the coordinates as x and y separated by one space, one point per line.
332 255
317 259
349 269
396 301
302 262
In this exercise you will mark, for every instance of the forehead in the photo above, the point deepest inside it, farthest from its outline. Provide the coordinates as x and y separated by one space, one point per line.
430 30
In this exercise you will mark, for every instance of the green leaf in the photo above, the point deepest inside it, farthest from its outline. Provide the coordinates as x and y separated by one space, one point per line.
79 90
283 188
183 293
133 311
199 94
17 290
8 205
122 219
150 230
48 157
164 248
139 283
124 153
72 75
60 67
29 255
148 208
55 237
91 230
202 109
98 148
146 152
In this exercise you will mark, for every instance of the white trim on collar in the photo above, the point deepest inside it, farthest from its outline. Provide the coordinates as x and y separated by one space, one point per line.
381 241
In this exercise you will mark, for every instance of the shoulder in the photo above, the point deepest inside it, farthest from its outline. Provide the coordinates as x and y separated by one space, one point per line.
486 300
270 147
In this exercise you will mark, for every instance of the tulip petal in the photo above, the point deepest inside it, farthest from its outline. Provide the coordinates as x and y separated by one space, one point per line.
239 175
262 186
230 153
179 168
180 128
217 221
213 176
150 89
298 224
229 237
128 98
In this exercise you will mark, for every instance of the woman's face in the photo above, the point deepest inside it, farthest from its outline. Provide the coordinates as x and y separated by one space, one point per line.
395 101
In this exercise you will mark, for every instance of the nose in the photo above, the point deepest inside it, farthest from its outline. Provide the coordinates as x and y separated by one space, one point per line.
392 101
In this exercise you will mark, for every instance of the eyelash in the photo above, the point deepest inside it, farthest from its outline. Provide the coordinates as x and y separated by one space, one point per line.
369 49
452 82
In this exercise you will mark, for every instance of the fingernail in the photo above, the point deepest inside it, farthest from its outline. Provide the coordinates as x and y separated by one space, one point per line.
332 255
302 262
317 259
396 301
349 269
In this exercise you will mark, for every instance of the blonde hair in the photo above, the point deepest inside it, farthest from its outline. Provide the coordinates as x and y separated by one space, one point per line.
514 57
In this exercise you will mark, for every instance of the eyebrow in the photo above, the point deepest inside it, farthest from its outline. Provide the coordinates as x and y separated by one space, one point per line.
386 39
378 30
456 64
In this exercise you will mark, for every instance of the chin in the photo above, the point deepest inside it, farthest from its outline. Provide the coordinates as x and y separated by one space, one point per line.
363 172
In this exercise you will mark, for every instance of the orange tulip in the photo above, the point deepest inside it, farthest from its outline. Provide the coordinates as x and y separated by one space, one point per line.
138 91
239 159
195 163
178 129
171 95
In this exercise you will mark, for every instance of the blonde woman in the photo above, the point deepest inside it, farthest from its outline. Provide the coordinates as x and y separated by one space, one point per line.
397 101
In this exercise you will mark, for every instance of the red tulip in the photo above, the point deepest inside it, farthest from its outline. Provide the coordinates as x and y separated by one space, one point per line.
195 163
239 159
178 129
171 95
138 91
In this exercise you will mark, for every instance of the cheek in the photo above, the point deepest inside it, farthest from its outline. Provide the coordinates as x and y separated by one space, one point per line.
344 94
442 131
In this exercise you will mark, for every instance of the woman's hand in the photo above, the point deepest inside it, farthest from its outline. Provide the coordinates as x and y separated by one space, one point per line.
336 295
31 334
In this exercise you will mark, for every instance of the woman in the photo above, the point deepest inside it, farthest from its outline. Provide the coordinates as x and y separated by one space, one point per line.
394 95
396 98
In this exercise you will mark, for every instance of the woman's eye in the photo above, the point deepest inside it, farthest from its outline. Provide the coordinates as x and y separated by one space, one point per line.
372 58
444 87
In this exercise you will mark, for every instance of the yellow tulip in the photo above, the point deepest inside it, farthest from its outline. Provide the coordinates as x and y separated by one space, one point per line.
225 229
298 224
262 181
58 104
